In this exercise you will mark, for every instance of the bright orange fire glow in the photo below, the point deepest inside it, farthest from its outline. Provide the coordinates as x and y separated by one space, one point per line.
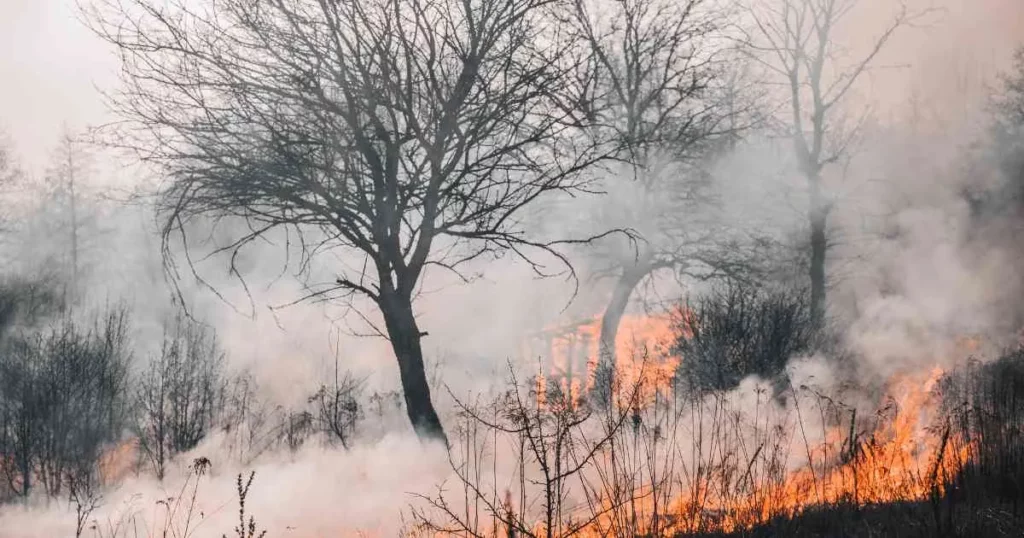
895 455
119 461
901 460
643 356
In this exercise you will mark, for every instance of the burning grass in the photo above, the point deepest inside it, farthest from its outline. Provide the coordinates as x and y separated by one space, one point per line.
754 461
693 467
931 452
572 355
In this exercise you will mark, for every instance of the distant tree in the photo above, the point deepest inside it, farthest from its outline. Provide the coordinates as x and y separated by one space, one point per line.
27 303
407 134
794 41
9 169
68 212
10 174
994 186
180 394
1009 101
1007 132
59 219
64 178
661 87
63 401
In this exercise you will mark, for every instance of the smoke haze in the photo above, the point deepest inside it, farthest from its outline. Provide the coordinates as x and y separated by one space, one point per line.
911 273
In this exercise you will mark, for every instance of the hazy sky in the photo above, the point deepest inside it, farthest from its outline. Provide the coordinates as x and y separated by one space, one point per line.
50 63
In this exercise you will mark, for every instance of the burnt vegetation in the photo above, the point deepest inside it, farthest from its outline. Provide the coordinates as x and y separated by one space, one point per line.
672 464
388 143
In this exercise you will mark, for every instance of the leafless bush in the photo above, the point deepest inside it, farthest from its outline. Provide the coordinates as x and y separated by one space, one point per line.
247 419
181 515
295 429
336 408
176 514
62 402
180 393
740 330
253 425
28 302
552 443
84 497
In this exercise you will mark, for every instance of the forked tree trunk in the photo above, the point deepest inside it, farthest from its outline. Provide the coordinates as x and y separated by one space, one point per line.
612 318
405 341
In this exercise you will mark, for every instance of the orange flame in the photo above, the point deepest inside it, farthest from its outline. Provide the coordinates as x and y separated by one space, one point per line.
643 357
899 458
119 461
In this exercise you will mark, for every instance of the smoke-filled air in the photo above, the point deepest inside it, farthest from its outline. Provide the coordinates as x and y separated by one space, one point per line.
511 268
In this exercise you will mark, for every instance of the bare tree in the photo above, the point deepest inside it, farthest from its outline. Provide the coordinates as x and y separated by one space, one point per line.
21 422
62 402
10 171
659 85
1007 133
25 305
180 393
66 174
63 193
794 41
59 222
405 133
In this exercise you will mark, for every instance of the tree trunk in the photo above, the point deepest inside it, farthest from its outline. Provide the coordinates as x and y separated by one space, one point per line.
612 317
818 222
405 341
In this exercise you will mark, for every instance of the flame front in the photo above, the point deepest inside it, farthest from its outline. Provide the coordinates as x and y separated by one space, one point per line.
718 463
774 467
903 458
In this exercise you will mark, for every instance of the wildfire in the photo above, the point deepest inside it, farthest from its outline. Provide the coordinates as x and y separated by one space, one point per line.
642 356
119 461
902 459
901 452
904 451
